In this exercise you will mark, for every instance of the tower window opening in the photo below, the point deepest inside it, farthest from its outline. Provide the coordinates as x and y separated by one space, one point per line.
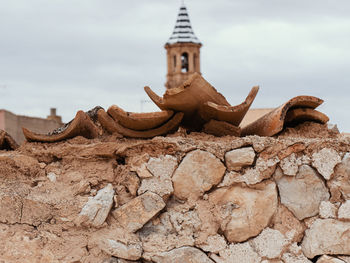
184 62
195 62
174 63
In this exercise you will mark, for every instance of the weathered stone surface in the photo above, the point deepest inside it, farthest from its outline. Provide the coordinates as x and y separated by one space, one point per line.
43 212
160 183
324 161
23 164
230 178
328 259
346 259
134 214
198 172
294 255
344 210
244 212
96 210
238 158
237 253
303 193
121 250
339 184
180 255
116 242
285 222
327 210
11 209
270 243
162 166
176 227
263 169
327 236
290 164
52 177
214 244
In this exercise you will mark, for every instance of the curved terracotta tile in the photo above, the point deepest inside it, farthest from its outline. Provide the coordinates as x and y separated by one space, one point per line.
274 121
191 94
7 142
298 115
139 121
230 114
221 128
188 98
81 125
106 121
166 128
155 98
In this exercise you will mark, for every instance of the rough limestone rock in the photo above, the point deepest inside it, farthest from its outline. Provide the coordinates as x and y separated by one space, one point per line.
344 211
96 210
43 212
160 183
137 212
236 159
327 236
237 253
327 210
290 164
214 244
325 161
175 228
263 169
121 250
285 222
339 184
303 193
294 254
269 243
198 172
328 259
346 259
244 212
13 215
183 254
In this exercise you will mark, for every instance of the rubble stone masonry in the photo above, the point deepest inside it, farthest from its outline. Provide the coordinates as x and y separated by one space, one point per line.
181 198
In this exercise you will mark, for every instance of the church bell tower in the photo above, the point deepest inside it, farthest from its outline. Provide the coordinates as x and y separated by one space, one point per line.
183 51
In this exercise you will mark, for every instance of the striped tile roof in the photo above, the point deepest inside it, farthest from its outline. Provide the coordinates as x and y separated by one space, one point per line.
183 32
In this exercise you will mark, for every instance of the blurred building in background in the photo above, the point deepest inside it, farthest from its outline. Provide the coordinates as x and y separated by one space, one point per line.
12 124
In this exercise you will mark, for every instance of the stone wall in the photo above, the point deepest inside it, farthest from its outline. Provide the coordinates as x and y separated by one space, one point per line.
182 198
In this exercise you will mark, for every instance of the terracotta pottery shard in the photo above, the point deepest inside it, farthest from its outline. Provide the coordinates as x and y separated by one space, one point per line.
299 115
155 98
221 128
106 121
81 125
274 121
7 142
168 127
231 114
139 121
200 102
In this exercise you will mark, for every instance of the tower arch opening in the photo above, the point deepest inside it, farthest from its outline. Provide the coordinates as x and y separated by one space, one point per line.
184 62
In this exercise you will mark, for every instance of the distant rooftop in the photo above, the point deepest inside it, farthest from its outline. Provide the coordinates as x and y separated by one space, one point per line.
183 32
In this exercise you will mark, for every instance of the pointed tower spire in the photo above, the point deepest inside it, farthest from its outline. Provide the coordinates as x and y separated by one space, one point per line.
183 51
183 32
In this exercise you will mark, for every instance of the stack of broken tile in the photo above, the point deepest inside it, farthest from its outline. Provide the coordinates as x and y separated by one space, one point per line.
195 106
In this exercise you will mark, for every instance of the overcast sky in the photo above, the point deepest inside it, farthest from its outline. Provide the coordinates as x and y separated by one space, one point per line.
76 54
